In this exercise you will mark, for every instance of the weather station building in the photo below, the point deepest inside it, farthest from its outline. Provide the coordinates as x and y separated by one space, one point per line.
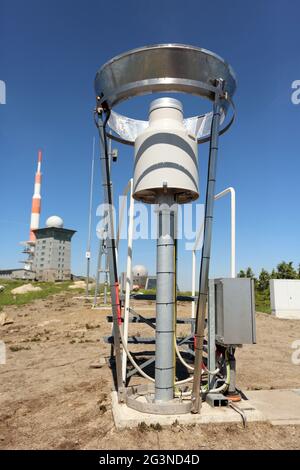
52 253
48 249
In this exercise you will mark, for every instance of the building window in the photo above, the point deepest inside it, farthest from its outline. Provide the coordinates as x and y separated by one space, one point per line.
41 265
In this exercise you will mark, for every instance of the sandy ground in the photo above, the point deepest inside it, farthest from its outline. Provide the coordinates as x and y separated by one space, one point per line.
50 397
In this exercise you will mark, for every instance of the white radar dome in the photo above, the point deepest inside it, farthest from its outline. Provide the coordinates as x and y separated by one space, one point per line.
54 221
139 271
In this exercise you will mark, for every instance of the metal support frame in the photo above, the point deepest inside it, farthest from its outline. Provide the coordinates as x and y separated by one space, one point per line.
189 70
106 270
102 252
180 342
102 246
223 193
138 318
111 252
200 231
128 275
206 249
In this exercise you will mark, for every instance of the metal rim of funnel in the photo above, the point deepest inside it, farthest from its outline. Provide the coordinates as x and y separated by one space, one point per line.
164 68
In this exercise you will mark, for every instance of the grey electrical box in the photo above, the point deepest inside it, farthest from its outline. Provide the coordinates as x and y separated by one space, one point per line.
235 311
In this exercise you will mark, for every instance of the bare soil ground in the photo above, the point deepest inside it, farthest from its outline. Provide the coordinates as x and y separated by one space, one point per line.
50 397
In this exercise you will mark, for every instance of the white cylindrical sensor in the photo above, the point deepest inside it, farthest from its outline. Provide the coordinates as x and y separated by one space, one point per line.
166 156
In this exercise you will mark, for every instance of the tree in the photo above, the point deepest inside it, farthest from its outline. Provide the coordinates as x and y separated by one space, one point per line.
286 271
263 280
273 274
248 273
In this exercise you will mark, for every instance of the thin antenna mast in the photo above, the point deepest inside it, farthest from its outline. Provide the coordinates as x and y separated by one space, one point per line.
88 250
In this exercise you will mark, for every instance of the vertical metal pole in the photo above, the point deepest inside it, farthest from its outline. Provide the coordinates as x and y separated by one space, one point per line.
193 281
98 271
106 281
88 250
194 262
165 301
128 278
111 253
205 256
211 331
232 224
104 251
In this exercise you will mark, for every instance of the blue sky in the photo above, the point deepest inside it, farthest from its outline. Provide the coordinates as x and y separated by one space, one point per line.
50 52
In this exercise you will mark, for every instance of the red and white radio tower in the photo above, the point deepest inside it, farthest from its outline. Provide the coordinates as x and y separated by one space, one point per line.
29 245
36 200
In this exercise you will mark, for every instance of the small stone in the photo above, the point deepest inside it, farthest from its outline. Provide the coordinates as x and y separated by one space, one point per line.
5 320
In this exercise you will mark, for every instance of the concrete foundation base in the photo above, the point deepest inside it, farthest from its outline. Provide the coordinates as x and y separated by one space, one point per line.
280 407
125 417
